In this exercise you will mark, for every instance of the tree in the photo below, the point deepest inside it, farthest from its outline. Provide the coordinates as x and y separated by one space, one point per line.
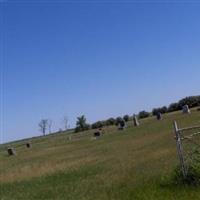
126 118
43 125
191 101
81 124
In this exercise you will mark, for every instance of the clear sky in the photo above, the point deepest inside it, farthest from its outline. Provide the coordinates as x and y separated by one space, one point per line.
98 58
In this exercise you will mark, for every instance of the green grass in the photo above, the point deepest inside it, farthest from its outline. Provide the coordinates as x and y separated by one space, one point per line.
134 164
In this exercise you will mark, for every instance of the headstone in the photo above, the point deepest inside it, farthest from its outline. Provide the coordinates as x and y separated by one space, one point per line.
97 134
135 121
69 138
11 152
121 125
186 109
28 145
159 116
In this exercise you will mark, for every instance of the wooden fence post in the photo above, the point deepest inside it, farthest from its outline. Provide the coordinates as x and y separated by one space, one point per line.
180 150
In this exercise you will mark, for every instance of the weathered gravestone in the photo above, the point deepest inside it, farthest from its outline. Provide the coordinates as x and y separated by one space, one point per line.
28 145
121 125
159 116
69 138
135 121
97 134
186 109
11 152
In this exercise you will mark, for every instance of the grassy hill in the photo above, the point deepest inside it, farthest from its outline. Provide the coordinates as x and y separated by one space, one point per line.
133 164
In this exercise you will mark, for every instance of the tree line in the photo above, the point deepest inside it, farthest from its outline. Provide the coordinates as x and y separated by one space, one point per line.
82 125
191 101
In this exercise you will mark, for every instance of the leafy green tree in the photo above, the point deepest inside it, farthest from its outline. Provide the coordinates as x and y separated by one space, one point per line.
81 124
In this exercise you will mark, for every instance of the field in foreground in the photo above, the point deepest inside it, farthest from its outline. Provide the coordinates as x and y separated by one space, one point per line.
133 164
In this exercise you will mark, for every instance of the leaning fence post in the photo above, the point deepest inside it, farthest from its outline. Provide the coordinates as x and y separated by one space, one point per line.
180 150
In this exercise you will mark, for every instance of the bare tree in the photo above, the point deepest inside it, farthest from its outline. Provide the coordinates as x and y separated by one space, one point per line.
50 122
66 122
43 125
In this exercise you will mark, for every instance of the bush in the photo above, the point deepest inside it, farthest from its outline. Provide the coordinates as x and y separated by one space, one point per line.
126 118
174 107
192 178
191 101
143 114
96 125
162 110
110 121
118 121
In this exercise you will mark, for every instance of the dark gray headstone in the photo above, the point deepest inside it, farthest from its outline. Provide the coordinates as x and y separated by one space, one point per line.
28 145
97 134
121 125
159 116
11 152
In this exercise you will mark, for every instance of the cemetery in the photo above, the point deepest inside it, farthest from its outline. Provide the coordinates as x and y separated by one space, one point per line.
150 148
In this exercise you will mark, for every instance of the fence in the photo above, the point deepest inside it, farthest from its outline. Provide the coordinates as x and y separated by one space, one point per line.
188 146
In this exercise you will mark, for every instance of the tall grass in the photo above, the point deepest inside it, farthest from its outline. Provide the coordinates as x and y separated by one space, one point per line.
122 165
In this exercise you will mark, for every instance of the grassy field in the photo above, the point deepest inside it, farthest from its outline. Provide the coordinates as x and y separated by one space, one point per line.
134 164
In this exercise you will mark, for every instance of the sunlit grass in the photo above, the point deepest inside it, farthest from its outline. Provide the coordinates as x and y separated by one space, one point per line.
129 164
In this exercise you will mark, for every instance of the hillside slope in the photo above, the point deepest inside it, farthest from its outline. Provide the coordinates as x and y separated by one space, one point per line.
121 165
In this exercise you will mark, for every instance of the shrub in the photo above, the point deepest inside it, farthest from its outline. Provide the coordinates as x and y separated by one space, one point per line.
126 118
98 124
191 101
192 178
118 121
174 107
162 110
143 114
110 121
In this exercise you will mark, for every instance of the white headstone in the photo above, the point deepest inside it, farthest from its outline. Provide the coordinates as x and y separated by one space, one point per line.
135 121
186 109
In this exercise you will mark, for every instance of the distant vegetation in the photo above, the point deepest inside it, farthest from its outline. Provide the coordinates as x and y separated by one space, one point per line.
191 101
134 164
82 125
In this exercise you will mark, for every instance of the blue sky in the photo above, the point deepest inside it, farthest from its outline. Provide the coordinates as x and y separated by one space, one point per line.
100 59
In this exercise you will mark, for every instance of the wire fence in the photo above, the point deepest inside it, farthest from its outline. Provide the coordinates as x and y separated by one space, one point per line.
188 146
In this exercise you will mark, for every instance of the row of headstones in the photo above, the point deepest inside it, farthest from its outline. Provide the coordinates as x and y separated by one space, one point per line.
11 151
122 125
136 122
